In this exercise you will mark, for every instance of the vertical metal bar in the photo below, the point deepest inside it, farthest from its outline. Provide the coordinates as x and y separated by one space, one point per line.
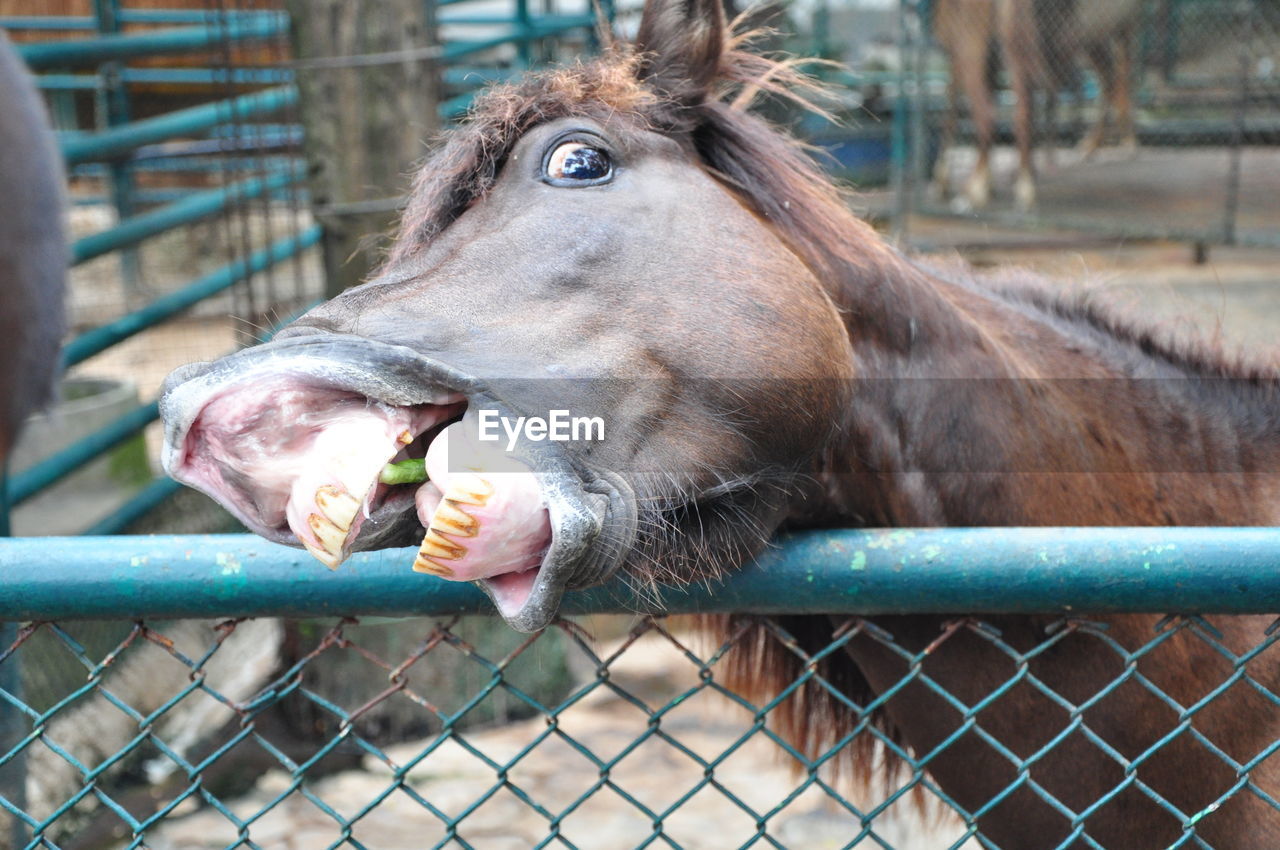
546 47
296 153
1231 202
898 161
13 775
1171 30
262 165
919 103
62 108
5 529
235 221
822 29
524 46
112 98
603 25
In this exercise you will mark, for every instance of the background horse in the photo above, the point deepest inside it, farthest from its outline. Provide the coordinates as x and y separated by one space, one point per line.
1041 43
622 239
33 250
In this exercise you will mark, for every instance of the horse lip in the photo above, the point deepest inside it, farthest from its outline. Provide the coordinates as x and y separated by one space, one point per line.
592 511
586 548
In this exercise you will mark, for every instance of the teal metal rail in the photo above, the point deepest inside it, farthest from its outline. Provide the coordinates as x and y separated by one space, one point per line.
90 51
118 141
900 571
193 208
64 23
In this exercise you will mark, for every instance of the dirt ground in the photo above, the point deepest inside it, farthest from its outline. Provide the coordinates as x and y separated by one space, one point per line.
1181 192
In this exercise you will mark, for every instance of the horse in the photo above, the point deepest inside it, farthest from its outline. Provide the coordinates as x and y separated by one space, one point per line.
33 250
1041 43
624 239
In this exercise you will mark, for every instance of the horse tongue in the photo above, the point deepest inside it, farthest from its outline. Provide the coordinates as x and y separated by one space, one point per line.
484 514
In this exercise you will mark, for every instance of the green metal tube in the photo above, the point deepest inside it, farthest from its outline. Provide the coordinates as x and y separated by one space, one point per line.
92 342
524 34
108 144
170 76
1070 571
4 498
14 726
128 16
91 51
143 502
25 484
191 208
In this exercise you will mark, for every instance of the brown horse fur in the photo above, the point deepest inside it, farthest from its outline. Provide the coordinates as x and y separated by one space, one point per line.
1086 420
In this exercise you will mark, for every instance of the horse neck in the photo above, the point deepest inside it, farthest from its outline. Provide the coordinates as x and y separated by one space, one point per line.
962 392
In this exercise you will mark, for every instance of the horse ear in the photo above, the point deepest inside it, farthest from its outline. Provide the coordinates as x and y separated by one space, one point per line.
681 43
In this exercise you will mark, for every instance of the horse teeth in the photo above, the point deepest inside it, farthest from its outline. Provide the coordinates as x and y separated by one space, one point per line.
435 568
469 489
450 519
436 545
320 555
330 536
405 438
340 507
354 477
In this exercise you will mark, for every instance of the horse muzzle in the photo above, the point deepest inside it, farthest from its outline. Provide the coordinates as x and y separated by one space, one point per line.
292 437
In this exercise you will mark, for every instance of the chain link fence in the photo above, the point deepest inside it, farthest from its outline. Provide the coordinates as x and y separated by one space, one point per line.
643 744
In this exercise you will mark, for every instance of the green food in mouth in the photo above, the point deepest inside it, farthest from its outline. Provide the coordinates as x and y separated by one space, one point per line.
411 471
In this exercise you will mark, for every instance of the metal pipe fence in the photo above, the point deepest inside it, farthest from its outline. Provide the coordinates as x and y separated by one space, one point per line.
575 764
898 571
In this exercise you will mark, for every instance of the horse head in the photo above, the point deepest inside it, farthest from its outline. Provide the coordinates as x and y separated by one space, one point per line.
619 243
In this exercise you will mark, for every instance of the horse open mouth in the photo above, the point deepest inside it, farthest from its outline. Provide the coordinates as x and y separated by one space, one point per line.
292 438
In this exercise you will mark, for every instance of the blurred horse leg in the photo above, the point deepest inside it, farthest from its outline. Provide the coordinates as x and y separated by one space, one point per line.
1100 57
1020 39
1123 87
965 30
941 183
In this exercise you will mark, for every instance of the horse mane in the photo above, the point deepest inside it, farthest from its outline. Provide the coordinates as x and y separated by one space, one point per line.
773 175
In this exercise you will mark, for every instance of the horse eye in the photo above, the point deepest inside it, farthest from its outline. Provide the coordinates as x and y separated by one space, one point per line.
578 161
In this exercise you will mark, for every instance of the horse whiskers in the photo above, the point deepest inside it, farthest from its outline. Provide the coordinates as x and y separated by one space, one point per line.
681 539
